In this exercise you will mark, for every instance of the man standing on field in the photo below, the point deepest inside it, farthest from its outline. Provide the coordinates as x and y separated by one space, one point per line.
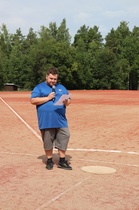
52 119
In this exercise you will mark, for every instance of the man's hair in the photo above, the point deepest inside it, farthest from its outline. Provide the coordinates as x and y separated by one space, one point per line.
52 70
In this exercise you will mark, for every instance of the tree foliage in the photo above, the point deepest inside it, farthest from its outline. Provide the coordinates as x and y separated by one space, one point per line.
90 62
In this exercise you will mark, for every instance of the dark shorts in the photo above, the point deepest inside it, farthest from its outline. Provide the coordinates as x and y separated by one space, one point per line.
58 137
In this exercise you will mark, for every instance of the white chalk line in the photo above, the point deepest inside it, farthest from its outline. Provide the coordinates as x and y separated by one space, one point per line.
70 149
19 154
101 150
63 193
109 162
85 160
28 126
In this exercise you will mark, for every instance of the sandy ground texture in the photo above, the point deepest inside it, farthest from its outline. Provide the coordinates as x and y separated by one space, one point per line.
104 128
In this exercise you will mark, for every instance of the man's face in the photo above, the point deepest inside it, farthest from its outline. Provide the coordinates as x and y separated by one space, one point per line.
51 79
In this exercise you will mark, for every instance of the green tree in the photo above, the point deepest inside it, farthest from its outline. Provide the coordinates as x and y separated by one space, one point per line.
132 55
17 65
116 42
87 63
87 42
52 49
5 40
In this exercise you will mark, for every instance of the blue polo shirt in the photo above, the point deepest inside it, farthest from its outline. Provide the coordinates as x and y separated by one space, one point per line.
49 115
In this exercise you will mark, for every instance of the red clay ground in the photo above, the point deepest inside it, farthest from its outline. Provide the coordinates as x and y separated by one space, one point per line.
104 129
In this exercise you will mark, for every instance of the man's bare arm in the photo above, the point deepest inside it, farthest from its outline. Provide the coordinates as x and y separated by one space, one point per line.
42 100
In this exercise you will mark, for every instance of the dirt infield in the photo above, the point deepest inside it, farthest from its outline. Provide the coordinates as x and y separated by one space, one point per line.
104 129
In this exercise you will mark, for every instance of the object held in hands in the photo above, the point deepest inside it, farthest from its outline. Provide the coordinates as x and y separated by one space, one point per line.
62 98
53 90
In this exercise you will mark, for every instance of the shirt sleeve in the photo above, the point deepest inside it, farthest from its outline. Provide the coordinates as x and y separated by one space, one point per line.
35 93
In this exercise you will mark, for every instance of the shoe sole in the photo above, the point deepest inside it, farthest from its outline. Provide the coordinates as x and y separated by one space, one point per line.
49 168
64 168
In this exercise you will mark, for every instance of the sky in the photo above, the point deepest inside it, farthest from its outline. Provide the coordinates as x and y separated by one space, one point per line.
105 14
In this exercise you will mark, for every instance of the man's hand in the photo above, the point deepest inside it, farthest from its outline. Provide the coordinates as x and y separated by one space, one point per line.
51 95
66 102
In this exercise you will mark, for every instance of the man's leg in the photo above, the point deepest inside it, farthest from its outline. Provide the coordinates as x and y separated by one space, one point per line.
49 154
62 139
61 153
63 164
48 138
